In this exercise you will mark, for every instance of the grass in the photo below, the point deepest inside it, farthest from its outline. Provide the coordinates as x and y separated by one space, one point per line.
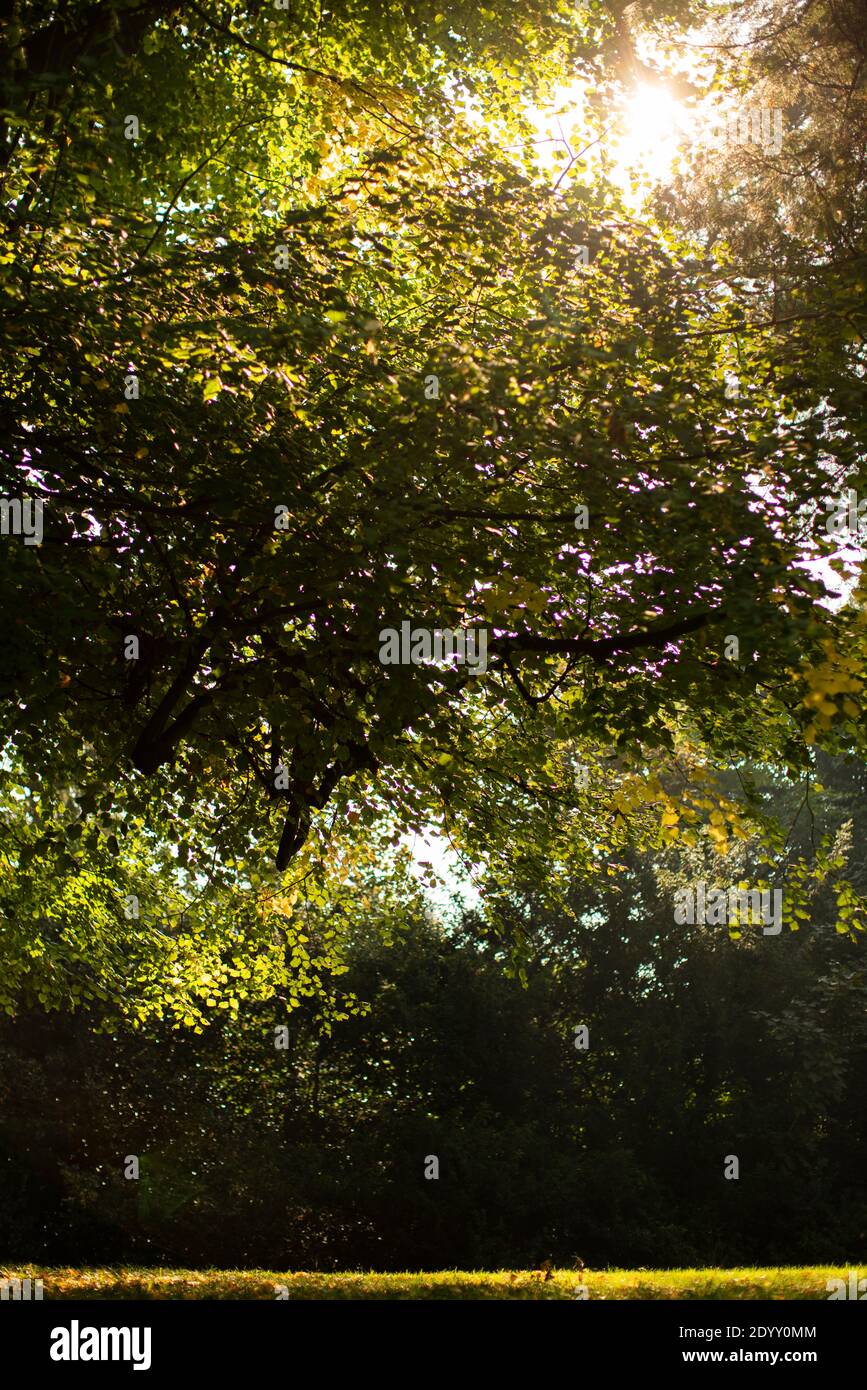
138 1283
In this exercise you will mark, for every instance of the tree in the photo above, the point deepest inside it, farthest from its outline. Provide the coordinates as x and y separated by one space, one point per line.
312 356
701 1042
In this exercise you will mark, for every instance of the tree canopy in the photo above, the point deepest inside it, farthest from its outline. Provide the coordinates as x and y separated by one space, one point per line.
301 342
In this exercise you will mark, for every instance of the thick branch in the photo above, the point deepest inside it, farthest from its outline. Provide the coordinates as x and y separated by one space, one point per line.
601 648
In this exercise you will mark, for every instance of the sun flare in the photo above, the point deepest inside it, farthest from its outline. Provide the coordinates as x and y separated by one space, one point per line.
638 148
652 131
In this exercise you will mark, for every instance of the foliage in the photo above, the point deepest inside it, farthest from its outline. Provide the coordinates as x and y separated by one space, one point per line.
101 913
283 490
703 1042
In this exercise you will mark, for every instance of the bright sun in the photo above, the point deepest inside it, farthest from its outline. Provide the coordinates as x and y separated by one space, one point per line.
653 129
640 145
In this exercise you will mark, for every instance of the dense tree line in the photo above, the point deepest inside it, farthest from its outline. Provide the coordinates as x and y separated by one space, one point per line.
701 1045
